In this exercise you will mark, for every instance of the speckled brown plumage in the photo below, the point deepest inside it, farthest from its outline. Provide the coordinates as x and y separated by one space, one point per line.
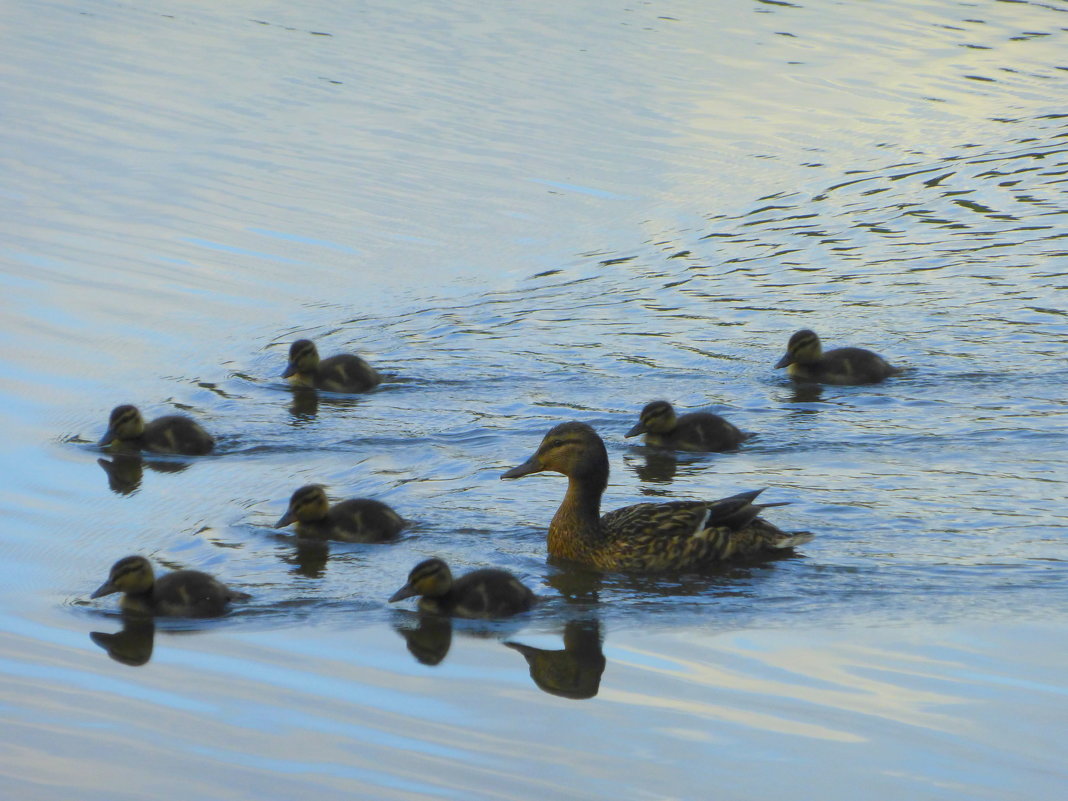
646 537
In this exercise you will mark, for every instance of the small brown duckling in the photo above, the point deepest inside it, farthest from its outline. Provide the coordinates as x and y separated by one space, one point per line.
805 360
355 520
173 433
183 593
343 373
479 594
645 537
695 431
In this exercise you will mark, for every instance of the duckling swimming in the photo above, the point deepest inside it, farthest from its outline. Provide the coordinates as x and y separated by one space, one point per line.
183 593
481 593
343 373
356 520
646 537
695 431
805 360
174 433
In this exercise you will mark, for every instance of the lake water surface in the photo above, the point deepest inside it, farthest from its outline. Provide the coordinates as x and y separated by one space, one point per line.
525 214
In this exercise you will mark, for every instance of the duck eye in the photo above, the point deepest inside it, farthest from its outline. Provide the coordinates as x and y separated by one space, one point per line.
556 443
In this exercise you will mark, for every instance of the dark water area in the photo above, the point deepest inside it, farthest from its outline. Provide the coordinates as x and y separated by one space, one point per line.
523 216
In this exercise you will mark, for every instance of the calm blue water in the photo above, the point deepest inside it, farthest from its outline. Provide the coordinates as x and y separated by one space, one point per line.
523 216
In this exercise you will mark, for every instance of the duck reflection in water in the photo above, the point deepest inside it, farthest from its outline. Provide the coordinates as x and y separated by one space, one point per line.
132 645
658 465
803 392
125 470
309 558
574 672
429 639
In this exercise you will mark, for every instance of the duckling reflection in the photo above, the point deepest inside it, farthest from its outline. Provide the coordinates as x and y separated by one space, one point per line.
305 403
131 645
309 558
574 672
657 466
429 639
125 471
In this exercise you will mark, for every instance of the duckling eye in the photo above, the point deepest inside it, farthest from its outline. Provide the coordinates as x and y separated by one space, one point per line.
556 443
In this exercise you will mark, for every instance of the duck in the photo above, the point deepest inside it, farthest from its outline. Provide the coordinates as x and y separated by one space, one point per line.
183 593
355 520
694 431
345 372
483 593
645 537
805 360
173 433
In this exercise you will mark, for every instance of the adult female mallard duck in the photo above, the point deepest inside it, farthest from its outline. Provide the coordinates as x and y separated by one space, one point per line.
646 537
343 373
174 433
805 360
481 593
695 431
356 520
183 593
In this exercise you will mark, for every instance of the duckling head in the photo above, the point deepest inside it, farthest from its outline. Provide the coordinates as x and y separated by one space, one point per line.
657 417
132 574
306 505
803 348
431 578
125 422
574 449
303 358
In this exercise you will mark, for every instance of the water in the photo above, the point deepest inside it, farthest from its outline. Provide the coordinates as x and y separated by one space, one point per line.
524 216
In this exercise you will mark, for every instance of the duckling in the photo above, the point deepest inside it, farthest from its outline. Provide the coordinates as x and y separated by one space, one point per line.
174 433
695 431
481 593
805 360
356 520
646 537
183 593
343 373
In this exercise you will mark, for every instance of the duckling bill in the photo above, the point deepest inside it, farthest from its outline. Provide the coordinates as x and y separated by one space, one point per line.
345 372
173 433
805 360
645 537
183 593
485 593
355 520
695 431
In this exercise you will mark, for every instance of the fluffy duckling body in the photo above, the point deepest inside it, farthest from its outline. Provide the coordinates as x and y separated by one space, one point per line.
695 431
646 537
183 593
174 433
343 373
356 520
805 360
481 593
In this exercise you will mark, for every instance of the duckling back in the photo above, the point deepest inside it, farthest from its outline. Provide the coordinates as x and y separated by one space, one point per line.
806 360
483 593
355 520
175 433
190 593
700 431
346 372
